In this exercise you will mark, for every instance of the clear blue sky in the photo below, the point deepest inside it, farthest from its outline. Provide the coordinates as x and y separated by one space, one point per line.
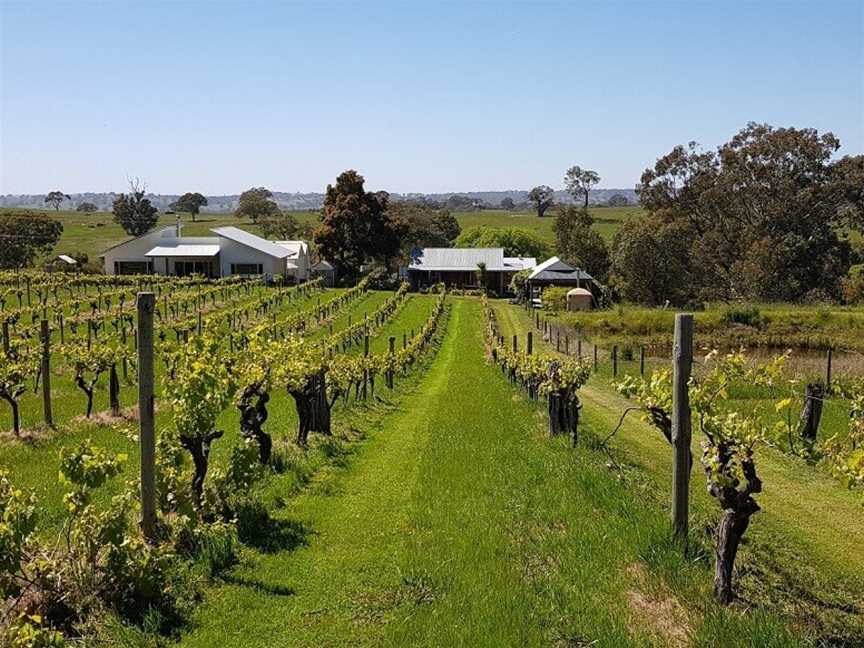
220 96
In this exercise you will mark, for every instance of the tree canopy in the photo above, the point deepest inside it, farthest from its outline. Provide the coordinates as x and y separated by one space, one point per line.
25 236
55 198
356 225
542 197
579 243
424 227
514 240
191 203
86 207
256 203
578 182
282 226
760 217
133 212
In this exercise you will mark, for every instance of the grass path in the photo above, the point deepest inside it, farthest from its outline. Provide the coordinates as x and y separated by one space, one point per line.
807 544
459 523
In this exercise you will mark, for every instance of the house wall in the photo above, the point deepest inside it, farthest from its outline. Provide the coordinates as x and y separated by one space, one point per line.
135 249
233 252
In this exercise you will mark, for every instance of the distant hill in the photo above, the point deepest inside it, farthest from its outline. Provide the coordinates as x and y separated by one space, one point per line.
302 201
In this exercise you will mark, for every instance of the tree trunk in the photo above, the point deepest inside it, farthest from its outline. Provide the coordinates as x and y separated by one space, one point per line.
811 415
252 419
16 417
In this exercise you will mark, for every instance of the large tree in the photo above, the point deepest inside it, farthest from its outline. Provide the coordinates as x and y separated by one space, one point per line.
579 243
763 211
514 240
579 181
25 236
256 203
651 262
191 203
542 197
356 226
86 207
282 226
424 227
55 198
133 212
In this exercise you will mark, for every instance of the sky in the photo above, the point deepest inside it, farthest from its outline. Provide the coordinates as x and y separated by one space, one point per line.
220 96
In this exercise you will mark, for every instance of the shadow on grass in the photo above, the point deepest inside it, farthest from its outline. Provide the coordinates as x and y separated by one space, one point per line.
258 586
269 535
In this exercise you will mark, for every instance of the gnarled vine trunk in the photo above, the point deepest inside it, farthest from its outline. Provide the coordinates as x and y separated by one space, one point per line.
811 415
253 415
114 391
199 447
313 409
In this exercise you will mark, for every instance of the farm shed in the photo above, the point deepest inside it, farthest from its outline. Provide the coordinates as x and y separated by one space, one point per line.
325 270
231 251
458 267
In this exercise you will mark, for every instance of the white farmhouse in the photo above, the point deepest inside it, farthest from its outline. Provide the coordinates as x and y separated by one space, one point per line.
232 251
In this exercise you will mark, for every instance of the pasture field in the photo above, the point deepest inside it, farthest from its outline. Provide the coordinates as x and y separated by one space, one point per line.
93 233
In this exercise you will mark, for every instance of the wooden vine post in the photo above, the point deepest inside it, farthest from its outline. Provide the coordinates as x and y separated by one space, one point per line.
615 361
46 373
828 358
642 361
530 344
146 306
390 370
682 365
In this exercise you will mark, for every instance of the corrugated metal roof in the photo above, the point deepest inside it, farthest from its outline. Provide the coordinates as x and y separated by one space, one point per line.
443 259
66 258
184 250
520 263
250 240
295 247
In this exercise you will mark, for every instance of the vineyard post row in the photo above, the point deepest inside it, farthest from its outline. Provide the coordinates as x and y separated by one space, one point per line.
682 364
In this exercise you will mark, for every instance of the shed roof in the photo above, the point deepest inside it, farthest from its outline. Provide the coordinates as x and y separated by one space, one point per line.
184 250
67 259
554 269
250 240
294 247
322 266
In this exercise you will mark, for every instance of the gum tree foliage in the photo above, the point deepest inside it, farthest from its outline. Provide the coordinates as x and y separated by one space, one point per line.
578 182
256 203
133 212
514 240
762 212
508 204
579 243
650 262
542 197
282 226
356 225
55 198
424 226
618 200
87 207
191 203
25 236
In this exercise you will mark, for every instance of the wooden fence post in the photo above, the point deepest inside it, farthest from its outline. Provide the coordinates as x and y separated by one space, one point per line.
642 361
146 306
615 361
828 358
6 338
595 357
566 345
515 344
682 364
529 344
46 373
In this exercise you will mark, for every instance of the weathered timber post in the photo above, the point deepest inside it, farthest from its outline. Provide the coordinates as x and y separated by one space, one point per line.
642 361
404 340
566 345
46 374
595 357
615 361
811 415
682 365
62 333
6 342
365 369
146 305
579 348
392 342
828 358
558 340
515 344
530 343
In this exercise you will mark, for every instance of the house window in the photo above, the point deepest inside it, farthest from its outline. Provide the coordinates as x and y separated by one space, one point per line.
186 268
247 268
133 267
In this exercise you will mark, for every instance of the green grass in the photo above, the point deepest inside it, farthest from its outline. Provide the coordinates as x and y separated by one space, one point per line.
806 513
91 234
457 522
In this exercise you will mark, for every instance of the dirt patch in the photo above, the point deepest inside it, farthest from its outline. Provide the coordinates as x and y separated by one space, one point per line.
28 436
657 612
